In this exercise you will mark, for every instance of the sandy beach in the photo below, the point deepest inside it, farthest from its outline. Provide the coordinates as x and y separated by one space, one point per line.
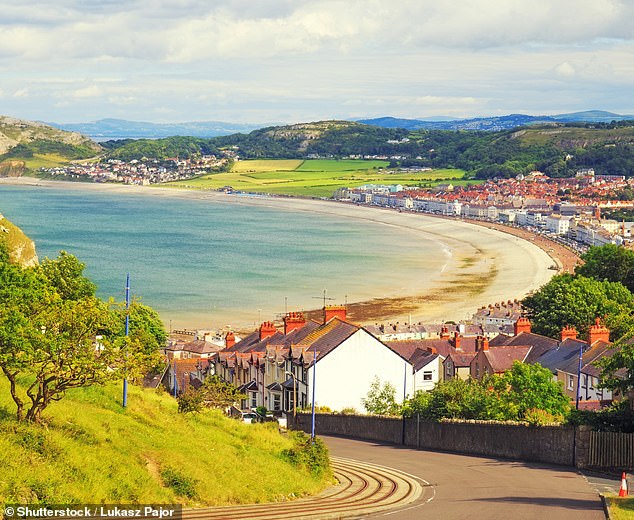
485 263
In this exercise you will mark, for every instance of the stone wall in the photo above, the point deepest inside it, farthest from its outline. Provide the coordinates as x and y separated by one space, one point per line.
549 444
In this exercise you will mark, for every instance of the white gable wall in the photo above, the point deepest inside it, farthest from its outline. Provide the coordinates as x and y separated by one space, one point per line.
343 376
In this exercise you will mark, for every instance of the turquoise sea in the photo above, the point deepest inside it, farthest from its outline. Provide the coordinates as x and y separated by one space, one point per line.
210 264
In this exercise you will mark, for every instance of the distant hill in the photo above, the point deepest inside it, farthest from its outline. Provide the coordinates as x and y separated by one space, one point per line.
495 123
104 129
27 145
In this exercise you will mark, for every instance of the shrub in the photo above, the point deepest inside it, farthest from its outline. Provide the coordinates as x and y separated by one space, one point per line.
308 454
182 485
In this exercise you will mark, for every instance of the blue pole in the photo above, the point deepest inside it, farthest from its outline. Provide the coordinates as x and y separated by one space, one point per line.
579 377
127 331
312 431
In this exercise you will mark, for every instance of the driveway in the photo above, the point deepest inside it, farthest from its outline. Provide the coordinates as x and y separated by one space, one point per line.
467 487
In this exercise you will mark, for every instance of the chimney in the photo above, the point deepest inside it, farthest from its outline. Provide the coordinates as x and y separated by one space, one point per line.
230 340
444 332
478 343
598 332
485 344
568 333
433 350
330 311
293 321
457 341
522 325
267 329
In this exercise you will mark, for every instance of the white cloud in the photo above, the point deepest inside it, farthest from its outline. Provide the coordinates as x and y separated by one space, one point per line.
90 91
21 93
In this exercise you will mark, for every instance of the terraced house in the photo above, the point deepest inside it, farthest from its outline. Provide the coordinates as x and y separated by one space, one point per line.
275 368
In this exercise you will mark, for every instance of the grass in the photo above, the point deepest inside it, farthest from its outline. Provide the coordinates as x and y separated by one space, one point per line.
620 508
91 450
315 177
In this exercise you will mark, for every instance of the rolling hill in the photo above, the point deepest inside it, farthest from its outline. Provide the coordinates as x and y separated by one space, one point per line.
28 145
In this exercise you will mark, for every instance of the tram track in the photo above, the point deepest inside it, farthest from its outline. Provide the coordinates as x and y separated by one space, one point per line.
363 488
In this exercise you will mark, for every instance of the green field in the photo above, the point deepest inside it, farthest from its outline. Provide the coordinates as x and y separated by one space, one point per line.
92 451
314 177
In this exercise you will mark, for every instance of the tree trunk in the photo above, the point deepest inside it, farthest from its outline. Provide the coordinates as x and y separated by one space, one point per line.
14 394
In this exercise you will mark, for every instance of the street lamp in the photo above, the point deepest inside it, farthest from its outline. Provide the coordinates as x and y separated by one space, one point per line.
294 392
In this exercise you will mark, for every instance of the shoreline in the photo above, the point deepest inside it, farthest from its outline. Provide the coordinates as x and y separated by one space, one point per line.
487 262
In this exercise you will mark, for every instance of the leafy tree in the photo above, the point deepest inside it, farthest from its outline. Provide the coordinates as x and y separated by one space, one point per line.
146 336
617 370
55 334
65 274
214 393
577 301
609 262
47 340
531 387
381 398
526 392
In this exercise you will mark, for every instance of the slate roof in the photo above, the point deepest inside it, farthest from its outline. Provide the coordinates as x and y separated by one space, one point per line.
421 358
326 338
461 359
501 358
444 347
560 356
525 338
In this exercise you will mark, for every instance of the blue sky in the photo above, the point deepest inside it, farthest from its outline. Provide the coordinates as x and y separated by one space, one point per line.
264 61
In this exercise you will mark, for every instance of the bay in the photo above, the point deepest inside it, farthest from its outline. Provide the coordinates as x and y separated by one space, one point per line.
204 263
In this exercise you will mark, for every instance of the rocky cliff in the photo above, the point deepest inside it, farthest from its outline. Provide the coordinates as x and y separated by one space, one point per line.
21 248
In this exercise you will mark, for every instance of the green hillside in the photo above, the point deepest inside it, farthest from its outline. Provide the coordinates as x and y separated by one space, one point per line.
26 146
91 450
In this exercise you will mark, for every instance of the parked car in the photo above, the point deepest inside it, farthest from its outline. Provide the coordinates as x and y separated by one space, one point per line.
249 417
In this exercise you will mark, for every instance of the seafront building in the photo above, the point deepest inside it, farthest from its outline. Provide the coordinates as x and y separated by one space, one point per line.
568 210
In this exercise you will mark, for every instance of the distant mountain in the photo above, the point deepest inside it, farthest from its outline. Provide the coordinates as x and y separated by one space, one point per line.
105 129
495 123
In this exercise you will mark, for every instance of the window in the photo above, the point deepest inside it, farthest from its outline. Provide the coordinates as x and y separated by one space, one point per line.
448 370
427 376
254 400
277 402
571 382
592 382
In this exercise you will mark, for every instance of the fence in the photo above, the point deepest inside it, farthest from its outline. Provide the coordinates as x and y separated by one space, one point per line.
563 445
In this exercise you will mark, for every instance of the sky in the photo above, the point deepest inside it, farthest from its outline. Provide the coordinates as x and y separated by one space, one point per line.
288 61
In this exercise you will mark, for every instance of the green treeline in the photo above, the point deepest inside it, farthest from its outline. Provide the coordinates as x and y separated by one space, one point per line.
558 151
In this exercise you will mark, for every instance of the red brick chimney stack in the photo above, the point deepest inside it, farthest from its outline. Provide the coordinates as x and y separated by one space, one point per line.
444 332
293 321
267 329
330 311
598 332
457 341
522 325
568 333
485 344
230 339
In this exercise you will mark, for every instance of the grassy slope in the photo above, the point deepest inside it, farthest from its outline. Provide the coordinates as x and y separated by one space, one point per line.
621 508
314 178
93 451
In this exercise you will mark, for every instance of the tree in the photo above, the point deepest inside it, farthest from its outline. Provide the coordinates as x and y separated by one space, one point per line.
381 398
609 262
617 370
531 387
526 392
146 336
214 393
568 300
54 333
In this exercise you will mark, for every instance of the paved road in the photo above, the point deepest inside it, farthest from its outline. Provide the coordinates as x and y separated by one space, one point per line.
461 487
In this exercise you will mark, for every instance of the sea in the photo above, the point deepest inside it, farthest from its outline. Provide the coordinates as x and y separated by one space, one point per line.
214 264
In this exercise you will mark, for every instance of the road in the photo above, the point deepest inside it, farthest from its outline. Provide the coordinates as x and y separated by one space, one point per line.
466 487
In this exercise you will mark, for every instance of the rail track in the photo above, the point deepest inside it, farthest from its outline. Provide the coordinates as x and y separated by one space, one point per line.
363 489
